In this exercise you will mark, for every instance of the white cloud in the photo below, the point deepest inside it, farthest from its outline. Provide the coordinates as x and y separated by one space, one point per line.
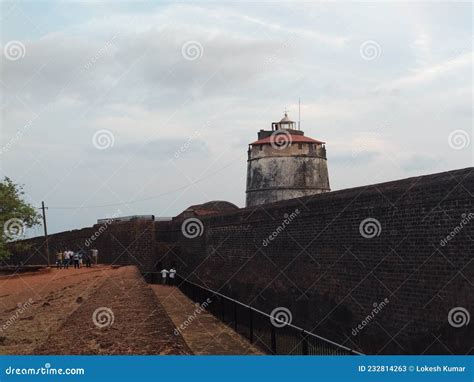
120 67
433 72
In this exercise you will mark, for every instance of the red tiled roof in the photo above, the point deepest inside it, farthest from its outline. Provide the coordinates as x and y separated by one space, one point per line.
294 139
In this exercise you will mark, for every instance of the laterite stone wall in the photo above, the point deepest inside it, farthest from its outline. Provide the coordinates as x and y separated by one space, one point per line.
331 277
313 256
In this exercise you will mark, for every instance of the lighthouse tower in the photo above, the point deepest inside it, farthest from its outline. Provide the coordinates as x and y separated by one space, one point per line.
285 164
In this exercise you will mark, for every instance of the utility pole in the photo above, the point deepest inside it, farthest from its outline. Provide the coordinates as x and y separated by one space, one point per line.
299 113
45 233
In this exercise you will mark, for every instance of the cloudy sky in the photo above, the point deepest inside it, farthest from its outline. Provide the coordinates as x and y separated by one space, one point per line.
119 108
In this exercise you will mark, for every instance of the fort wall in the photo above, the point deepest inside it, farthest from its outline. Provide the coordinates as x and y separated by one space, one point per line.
401 249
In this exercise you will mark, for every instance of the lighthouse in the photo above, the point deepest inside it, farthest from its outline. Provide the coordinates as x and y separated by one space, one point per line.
285 164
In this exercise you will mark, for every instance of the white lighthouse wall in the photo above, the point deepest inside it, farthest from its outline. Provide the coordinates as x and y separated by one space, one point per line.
275 174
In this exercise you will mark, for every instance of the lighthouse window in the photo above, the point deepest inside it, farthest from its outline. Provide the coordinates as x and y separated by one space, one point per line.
300 146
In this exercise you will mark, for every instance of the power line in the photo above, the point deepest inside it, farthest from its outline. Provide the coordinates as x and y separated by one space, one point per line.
140 200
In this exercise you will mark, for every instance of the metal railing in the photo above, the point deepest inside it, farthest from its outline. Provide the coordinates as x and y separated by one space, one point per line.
282 338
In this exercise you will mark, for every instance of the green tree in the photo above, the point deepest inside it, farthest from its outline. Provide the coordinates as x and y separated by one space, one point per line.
15 216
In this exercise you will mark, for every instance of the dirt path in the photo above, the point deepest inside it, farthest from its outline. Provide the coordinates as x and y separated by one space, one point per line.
60 319
34 304
203 333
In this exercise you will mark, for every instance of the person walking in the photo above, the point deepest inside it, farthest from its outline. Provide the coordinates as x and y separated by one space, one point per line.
67 258
172 276
81 257
87 259
95 255
59 260
75 257
164 275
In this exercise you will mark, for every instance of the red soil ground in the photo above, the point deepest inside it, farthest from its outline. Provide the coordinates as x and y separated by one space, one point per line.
55 315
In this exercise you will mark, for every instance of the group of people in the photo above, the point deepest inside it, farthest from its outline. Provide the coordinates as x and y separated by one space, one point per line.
168 276
67 258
